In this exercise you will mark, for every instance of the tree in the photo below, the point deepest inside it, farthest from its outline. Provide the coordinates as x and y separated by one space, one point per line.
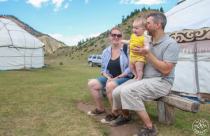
143 9
161 9
123 19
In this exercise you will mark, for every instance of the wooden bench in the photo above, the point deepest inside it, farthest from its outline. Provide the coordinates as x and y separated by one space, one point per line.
166 107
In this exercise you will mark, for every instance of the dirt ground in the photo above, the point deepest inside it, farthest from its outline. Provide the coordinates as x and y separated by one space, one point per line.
124 130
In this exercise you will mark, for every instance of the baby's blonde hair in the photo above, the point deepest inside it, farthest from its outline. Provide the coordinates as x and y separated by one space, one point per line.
141 21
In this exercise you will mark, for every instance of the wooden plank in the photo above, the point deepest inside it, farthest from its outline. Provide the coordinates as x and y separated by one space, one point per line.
181 103
204 97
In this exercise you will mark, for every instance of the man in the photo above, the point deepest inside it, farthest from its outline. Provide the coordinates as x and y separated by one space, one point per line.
158 77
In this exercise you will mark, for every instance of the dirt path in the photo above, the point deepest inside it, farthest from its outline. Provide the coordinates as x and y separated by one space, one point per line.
124 130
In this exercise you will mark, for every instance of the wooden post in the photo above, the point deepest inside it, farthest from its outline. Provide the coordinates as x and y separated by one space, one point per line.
166 113
166 105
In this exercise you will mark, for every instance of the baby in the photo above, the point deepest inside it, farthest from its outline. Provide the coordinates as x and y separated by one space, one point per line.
138 39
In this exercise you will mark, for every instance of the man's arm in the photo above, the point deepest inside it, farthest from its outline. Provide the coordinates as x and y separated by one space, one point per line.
164 67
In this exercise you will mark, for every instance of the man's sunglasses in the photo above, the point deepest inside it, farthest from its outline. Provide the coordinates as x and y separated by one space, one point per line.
116 35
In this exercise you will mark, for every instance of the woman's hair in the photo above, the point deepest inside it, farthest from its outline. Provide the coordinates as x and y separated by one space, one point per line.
115 28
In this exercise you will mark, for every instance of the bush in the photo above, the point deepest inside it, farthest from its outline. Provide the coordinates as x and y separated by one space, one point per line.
61 63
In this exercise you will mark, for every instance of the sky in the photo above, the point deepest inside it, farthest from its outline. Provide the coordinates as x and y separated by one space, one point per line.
73 20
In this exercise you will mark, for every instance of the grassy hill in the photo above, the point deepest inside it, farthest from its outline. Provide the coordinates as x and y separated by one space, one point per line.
97 44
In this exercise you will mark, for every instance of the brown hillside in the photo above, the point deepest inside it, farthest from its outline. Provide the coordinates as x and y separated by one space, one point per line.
51 44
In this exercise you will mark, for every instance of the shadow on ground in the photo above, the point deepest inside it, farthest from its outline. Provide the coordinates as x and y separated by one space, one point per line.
124 130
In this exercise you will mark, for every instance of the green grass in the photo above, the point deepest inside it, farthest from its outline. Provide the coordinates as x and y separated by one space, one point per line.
42 102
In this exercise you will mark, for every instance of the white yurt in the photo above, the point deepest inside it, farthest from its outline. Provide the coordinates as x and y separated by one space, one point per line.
18 48
189 23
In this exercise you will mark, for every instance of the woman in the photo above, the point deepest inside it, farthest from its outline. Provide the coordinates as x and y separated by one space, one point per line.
114 71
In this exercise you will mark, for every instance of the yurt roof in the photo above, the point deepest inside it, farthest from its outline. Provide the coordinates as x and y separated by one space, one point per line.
14 36
189 14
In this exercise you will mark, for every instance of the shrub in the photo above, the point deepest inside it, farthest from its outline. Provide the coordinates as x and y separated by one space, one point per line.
61 63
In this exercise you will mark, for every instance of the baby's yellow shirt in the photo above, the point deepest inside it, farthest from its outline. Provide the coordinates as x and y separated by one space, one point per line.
134 42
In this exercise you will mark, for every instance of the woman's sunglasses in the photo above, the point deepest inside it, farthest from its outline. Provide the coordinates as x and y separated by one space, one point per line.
116 35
